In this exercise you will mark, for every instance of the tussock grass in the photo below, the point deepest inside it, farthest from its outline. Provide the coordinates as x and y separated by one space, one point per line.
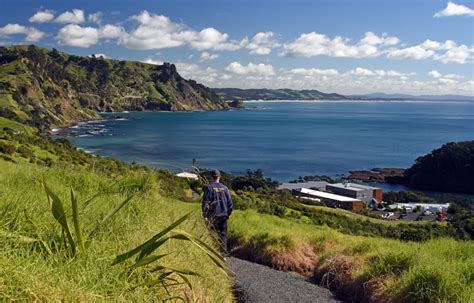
28 272
366 268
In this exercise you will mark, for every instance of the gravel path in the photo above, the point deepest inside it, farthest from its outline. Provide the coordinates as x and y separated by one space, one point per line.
258 283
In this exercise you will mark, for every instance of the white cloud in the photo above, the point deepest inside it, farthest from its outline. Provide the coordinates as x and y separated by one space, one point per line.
359 71
307 45
79 36
153 61
75 35
42 16
210 38
413 52
391 41
435 45
434 74
95 17
315 44
262 43
110 31
314 72
452 76
158 32
433 49
205 56
446 81
193 71
153 32
430 44
75 17
392 73
372 39
259 69
32 34
226 77
459 54
453 9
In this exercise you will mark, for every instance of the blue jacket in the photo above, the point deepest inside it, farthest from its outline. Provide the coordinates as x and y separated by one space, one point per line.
216 201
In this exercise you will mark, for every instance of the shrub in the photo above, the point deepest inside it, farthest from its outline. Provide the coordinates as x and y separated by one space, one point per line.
25 151
430 284
390 264
7 148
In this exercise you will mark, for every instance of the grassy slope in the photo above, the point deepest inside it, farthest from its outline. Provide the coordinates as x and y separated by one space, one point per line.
16 126
440 270
369 267
353 215
26 274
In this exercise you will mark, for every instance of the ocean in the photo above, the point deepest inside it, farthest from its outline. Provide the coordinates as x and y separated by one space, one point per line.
284 139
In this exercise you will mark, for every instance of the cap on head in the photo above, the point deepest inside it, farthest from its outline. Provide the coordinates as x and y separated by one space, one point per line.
215 173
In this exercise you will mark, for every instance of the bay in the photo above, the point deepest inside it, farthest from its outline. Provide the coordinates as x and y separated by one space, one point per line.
284 139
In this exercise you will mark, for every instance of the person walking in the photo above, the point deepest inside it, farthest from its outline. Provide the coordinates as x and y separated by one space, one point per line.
217 206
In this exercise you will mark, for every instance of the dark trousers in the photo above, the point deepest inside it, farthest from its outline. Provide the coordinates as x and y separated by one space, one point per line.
219 226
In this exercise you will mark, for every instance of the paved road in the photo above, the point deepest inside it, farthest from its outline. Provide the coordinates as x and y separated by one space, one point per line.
259 284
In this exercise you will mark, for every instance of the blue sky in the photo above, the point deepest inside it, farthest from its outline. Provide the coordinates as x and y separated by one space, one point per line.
345 46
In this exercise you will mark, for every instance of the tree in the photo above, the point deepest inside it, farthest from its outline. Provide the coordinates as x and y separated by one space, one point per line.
448 169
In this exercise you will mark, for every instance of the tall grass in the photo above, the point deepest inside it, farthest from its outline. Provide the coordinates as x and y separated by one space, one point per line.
369 268
28 272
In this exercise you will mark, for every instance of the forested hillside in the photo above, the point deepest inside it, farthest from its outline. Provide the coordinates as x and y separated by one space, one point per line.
43 87
448 169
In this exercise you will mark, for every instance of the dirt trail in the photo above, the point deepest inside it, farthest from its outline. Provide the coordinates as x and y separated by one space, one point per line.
258 283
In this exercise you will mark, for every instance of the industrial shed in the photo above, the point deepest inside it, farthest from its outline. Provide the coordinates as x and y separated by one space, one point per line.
330 200
357 191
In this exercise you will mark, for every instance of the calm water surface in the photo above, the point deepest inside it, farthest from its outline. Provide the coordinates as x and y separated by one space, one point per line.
285 139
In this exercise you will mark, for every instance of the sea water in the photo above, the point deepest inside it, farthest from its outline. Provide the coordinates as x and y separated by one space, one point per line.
284 139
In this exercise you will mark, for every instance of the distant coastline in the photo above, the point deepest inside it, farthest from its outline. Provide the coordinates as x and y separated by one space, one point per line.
238 94
356 101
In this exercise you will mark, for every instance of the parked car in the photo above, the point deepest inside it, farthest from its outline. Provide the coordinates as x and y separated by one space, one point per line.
402 216
387 215
441 217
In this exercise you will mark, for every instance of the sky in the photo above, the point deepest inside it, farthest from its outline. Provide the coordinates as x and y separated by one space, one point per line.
343 46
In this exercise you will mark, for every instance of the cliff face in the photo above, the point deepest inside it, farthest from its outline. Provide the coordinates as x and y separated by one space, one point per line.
44 87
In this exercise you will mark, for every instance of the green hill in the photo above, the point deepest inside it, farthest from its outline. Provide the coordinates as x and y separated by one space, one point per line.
447 169
43 87
233 94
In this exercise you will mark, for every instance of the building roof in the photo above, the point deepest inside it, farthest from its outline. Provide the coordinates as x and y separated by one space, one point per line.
325 195
352 186
401 205
187 175
310 184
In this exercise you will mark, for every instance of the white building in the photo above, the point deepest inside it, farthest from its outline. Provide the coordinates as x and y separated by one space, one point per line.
329 199
433 207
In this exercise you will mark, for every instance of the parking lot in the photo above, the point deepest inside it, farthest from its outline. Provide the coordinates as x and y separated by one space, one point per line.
409 216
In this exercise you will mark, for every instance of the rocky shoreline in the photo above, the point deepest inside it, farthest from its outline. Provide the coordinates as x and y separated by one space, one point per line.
380 175
87 128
